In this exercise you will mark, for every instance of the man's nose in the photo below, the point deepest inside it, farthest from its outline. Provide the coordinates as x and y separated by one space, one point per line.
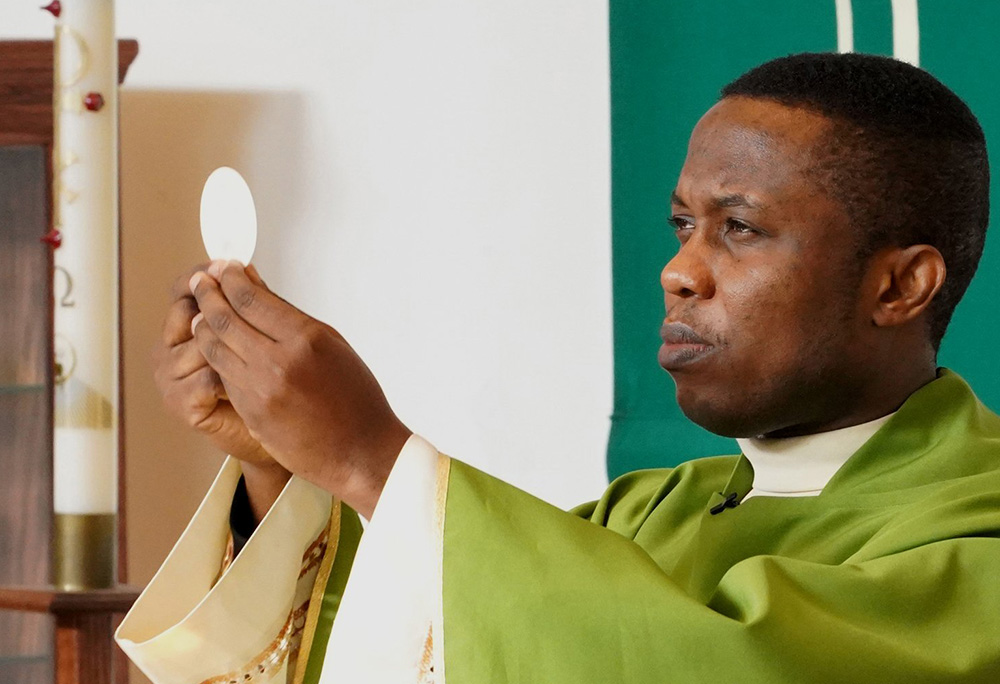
688 274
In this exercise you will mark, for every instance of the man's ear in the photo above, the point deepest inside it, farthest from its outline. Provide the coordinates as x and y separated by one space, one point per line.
909 279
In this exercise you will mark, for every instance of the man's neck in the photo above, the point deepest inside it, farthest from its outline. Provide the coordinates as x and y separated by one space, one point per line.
881 395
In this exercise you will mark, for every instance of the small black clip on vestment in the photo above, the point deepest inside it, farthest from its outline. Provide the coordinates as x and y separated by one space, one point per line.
730 502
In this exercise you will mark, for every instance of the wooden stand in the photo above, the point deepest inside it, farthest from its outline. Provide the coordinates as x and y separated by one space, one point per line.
82 634
85 621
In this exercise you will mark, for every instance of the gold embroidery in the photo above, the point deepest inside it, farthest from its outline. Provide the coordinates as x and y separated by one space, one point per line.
314 554
269 661
318 591
426 672
436 637
227 557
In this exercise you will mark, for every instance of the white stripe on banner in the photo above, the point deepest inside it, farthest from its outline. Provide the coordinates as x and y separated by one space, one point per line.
906 31
845 26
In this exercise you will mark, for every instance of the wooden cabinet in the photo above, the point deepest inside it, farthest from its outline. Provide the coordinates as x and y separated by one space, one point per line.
26 296
25 404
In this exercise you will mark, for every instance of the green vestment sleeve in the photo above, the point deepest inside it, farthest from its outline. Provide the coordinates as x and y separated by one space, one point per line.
890 575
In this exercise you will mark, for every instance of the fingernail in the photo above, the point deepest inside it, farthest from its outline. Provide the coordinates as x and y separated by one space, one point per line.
196 320
195 279
215 269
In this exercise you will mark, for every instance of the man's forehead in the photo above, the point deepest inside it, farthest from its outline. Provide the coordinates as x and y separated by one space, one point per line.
748 129
744 149
767 118
729 141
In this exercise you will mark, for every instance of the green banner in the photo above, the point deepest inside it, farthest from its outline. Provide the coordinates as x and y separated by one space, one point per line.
668 63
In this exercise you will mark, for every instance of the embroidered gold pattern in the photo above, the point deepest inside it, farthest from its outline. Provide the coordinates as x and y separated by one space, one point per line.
271 658
314 554
426 672
227 558
317 594
269 661
436 636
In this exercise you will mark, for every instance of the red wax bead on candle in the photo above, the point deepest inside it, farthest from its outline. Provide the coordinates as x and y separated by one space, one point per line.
93 101
53 238
55 7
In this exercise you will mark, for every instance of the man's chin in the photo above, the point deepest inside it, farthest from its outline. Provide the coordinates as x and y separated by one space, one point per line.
726 416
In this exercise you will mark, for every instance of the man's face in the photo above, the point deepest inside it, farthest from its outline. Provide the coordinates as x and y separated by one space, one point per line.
765 332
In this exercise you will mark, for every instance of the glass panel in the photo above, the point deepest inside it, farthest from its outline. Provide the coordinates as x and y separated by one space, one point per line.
26 640
25 657
22 389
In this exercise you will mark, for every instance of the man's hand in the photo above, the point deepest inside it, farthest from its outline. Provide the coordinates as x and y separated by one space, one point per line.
193 392
302 390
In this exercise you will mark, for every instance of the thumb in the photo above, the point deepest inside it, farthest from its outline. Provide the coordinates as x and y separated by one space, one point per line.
254 276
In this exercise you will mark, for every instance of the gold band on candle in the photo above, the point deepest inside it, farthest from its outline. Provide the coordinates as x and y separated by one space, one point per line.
83 551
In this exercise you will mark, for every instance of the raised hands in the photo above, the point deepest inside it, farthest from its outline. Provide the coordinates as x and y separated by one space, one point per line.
193 392
303 393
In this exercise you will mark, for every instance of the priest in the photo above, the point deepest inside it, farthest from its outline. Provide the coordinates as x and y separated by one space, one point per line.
831 212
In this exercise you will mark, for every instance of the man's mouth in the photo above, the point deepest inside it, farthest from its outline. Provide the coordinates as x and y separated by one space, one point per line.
682 346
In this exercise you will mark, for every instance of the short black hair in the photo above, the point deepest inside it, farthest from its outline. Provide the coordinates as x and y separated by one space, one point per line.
907 157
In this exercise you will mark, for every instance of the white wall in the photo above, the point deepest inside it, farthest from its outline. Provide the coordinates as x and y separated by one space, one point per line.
432 178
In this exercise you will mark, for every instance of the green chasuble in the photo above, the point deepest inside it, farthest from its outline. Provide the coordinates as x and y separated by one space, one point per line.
891 574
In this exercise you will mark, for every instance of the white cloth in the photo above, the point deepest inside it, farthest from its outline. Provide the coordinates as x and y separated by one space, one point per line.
802 466
394 591
188 628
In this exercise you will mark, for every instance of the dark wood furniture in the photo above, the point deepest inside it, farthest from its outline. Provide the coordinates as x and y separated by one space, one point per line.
84 621
43 633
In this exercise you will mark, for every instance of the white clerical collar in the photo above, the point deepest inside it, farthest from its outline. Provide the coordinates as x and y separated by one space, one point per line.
801 466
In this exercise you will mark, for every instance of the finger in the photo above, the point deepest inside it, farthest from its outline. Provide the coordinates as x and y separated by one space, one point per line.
226 428
258 306
221 358
243 339
177 323
180 288
195 397
254 276
184 359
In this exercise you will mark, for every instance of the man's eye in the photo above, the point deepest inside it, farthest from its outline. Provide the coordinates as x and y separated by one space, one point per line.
681 223
738 227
